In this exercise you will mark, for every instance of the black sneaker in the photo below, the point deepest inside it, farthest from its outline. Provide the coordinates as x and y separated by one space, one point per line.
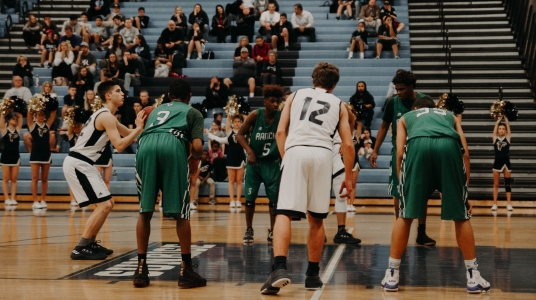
248 236
270 237
343 237
99 47
141 275
286 48
313 282
96 247
190 279
423 239
87 253
277 279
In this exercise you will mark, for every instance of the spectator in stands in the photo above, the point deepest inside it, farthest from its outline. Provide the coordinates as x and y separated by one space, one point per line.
85 59
105 75
73 98
74 40
129 34
108 21
111 64
371 15
245 25
142 53
362 95
244 42
73 24
118 47
98 8
271 70
345 5
358 5
46 25
260 53
141 20
216 129
145 100
31 32
89 99
268 19
216 94
61 69
199 16
359 40
6 4
196 40
263 5
99 34
391 91
118 26
24 69
84 81
221 24
173 38
180 20
48 48
204 177
366 143
19 90
281 32
129 72
10 129
85 27
387 38
162 55
302 24
243 72
388 10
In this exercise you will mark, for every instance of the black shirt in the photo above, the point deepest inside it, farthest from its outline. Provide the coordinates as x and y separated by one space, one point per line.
183 23
205 169
384 12
367 98
77 100
362 34
172 36
144 21
25 71
131 68
162 53
200 18
275 69
383 31
245 21
278 28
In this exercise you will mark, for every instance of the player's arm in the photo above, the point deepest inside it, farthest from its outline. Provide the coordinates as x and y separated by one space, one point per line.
466 160
195 123
241 136
106 121
30 120
347 150
382 132
123 130
284 122
401 136
508 132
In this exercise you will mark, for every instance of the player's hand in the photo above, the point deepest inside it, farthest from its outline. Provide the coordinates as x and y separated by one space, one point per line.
252 159
346 188
373 158
140 119
470 207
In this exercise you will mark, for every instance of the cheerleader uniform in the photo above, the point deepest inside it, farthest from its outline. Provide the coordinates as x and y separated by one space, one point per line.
40 145
105 160
236 157
502 155
10 155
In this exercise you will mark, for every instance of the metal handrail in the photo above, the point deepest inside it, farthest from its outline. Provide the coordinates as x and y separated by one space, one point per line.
500 92
25 11
450 79
9 26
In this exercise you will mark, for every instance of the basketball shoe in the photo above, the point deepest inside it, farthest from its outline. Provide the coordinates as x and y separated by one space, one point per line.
97 247
87 253
390 281
248 236
343 237
475 283
277 279
313 281
190 279
141 275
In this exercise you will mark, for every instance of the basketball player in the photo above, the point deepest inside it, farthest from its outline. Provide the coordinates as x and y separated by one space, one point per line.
305 140
395 108
264 160
84 179
433 159
162 165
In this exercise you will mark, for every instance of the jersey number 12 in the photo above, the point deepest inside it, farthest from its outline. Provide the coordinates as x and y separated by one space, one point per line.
315 113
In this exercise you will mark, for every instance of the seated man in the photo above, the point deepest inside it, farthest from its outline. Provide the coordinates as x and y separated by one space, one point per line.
145 100
108 21
388 10
173 38
371 15
141 20
85 59
302 24
118 26
268 19
128 72
281 32
98 8
260 53
75 40
85 27
245 25
19 90
243 72
73 23
129 33
99 33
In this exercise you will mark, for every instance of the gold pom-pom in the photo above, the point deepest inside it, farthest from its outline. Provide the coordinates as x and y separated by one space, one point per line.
68 118
97 104
282 105
351 109
442 103
497 109
7 106
38 103
158 101
232 107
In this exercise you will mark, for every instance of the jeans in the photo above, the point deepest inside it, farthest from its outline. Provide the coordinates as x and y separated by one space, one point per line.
129 79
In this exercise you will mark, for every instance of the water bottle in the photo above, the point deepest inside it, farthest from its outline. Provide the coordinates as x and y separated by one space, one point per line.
36 80
114 175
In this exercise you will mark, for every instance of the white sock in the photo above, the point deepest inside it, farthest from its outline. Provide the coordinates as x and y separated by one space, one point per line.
286 44
394 263
251 95
188 55
361 55
350 54
471 264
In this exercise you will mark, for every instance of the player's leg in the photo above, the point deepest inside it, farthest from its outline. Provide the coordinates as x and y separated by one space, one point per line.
252 185
230 186
496 179
239 177
341 208
351 199
270 175
315 244
107 175
507 187
6 173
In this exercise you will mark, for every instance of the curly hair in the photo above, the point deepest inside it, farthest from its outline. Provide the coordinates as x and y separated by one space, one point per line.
325 75
272 90
405 77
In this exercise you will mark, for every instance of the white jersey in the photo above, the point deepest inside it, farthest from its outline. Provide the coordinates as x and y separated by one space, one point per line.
92 142
314 118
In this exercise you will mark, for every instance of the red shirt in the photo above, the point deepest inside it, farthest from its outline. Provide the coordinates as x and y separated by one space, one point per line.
261 51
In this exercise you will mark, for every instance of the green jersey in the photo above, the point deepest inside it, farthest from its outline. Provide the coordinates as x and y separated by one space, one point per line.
430 122
395 109
176 118
262 140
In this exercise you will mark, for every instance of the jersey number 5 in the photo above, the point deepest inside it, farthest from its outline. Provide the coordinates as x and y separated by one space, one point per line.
162 119
316 113
266 149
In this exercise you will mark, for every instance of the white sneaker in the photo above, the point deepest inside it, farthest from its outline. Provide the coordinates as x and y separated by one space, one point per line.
14 202
353 208
475 283
192 206
390 281
238 204
74 203
494 207
43 204
509 207
36 205
160 203
348 208
232 204
10 202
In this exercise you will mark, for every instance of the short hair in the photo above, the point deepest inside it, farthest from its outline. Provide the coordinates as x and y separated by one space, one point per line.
72 86
217 122
144 91
299 6
214 143
46 16
424 102
259 37
117 17
325 75
180 89
238 116
68 27
73 17
98 17
84 14
105 88
406 78
272 90
141 8
283 15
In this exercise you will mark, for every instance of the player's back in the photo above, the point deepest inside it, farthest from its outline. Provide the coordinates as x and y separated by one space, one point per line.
169 117
314 118
430 122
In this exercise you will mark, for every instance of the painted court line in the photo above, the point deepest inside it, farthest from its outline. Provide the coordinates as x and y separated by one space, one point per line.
330 269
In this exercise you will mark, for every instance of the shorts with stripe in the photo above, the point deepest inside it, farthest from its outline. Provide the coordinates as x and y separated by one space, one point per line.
431 164
162 165
305 182
393 177
85 181
338 178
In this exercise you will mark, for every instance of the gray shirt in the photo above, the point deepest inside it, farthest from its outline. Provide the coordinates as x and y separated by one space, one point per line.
88 60
129 34
100 30
244 67
76 28
22 92
305 19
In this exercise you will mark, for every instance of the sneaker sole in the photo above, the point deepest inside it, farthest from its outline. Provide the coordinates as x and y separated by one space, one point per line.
313 288
87 258
281 282
270 291
346 242
188 285
478 290
140 283
390 288
247 241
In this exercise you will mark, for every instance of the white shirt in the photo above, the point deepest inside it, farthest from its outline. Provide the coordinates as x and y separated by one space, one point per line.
305 19
268 18
22 92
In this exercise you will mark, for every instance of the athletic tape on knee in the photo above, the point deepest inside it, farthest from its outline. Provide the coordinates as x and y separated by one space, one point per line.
507 186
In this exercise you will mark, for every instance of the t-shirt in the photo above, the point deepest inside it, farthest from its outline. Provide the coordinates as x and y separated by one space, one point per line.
74 39
270 18
129 34
385 12
383 31
205 169
50 46
76 100
172 36
87 25
430 122
22 92
100 30
162 53
87 60
361 34
144 21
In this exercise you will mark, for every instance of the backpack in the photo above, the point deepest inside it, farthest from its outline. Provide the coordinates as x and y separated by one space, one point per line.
162 70
178 60
208 55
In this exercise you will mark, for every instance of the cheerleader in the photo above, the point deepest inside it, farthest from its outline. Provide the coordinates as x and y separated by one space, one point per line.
236 157
501 144
10 159
49 93
40 154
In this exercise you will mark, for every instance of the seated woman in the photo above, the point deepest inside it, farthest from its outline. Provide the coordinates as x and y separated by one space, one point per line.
345 5
118 47
221 24
84 81
200 17
216 94
24 70
180 19
244 42
387 38
359 41
271 70
142 53
196 40
48 48
111 64
61 70
31 33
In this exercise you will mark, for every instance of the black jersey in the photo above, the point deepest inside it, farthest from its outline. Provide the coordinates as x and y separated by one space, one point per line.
502 147
40 144
10 155
235 153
